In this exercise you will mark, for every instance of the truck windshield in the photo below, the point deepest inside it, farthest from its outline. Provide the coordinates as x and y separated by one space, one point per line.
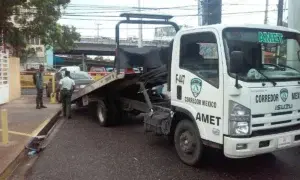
265 51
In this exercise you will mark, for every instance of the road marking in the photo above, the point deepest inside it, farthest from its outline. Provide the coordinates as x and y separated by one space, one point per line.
35 132
40 127
18 133
44 124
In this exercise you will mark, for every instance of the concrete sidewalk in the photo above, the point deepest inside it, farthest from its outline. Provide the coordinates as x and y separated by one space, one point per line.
24 122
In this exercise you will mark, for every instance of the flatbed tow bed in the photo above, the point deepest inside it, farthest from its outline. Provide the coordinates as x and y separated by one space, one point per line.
113 84
122 79
111 77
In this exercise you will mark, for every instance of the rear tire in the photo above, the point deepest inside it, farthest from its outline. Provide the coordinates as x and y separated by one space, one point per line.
102 114
188 143
79 104
113 112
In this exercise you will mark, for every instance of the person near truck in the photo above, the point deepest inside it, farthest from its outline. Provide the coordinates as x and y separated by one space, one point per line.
66 86
38 80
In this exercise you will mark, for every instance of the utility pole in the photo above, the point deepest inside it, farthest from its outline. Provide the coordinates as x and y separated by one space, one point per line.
210 12
140 42
267 12
200 12
83 62
279 23
98 29
280 13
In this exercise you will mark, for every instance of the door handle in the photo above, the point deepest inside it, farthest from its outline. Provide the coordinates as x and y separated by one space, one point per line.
179 92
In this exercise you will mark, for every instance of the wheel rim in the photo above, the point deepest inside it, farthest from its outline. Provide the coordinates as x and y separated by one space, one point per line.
187 143
100 114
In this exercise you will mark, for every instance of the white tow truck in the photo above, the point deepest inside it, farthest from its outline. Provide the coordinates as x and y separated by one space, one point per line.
224 92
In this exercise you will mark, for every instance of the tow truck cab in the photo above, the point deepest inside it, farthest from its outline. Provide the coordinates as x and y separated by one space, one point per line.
238 101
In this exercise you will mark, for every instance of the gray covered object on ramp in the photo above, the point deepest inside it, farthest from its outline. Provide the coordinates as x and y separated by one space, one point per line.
143 57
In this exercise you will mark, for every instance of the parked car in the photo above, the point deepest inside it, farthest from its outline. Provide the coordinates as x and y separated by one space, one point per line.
81 79
97 72
69 68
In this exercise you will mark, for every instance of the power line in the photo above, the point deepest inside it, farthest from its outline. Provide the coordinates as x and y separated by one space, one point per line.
110 11
70 14
90 19
179 15
174 7
113 9
113 28
266 12
128 7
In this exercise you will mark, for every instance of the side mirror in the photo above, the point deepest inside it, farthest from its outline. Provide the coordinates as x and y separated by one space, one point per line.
236 61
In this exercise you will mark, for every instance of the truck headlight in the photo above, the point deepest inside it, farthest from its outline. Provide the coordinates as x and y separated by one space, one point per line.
239 119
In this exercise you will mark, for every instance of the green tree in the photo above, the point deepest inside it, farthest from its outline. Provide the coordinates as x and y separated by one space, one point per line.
35 19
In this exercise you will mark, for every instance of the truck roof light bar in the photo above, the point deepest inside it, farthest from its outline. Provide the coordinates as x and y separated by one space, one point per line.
146 16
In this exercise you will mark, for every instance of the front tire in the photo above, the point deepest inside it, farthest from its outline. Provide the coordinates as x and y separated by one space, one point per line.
188 143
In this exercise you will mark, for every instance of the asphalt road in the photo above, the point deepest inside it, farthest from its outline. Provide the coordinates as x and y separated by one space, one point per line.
83 150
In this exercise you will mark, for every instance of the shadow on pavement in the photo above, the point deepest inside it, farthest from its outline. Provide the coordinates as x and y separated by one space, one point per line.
159 153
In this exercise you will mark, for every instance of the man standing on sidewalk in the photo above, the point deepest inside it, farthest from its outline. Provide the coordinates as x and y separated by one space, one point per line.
67 86
39 84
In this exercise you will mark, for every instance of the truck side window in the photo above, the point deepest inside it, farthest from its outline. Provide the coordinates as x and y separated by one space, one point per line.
199 55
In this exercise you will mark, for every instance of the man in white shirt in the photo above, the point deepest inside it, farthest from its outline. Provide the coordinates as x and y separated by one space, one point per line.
67 86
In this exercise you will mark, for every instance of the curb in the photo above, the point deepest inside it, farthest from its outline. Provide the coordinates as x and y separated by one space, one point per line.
45 130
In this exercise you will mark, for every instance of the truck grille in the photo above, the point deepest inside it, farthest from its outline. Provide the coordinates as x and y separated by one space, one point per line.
272 121
277 131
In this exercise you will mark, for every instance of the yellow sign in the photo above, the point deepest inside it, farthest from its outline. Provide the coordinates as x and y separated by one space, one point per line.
97 77
27 79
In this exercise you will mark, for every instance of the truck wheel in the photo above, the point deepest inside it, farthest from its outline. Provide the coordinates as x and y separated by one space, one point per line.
114 110
79 104
102 114
188 143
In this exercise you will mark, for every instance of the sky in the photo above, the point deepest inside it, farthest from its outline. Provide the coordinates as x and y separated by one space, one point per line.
234 12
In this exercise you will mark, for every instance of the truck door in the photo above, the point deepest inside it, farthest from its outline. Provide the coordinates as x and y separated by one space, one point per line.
197 81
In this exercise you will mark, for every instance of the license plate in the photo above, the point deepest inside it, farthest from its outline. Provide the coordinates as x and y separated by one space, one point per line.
85 100
284 141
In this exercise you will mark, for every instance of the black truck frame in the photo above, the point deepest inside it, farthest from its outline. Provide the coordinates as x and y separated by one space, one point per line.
117 94
134 93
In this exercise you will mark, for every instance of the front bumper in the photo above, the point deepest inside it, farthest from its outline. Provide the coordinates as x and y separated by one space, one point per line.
261 144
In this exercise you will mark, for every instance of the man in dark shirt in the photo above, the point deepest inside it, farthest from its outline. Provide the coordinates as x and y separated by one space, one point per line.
39 84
